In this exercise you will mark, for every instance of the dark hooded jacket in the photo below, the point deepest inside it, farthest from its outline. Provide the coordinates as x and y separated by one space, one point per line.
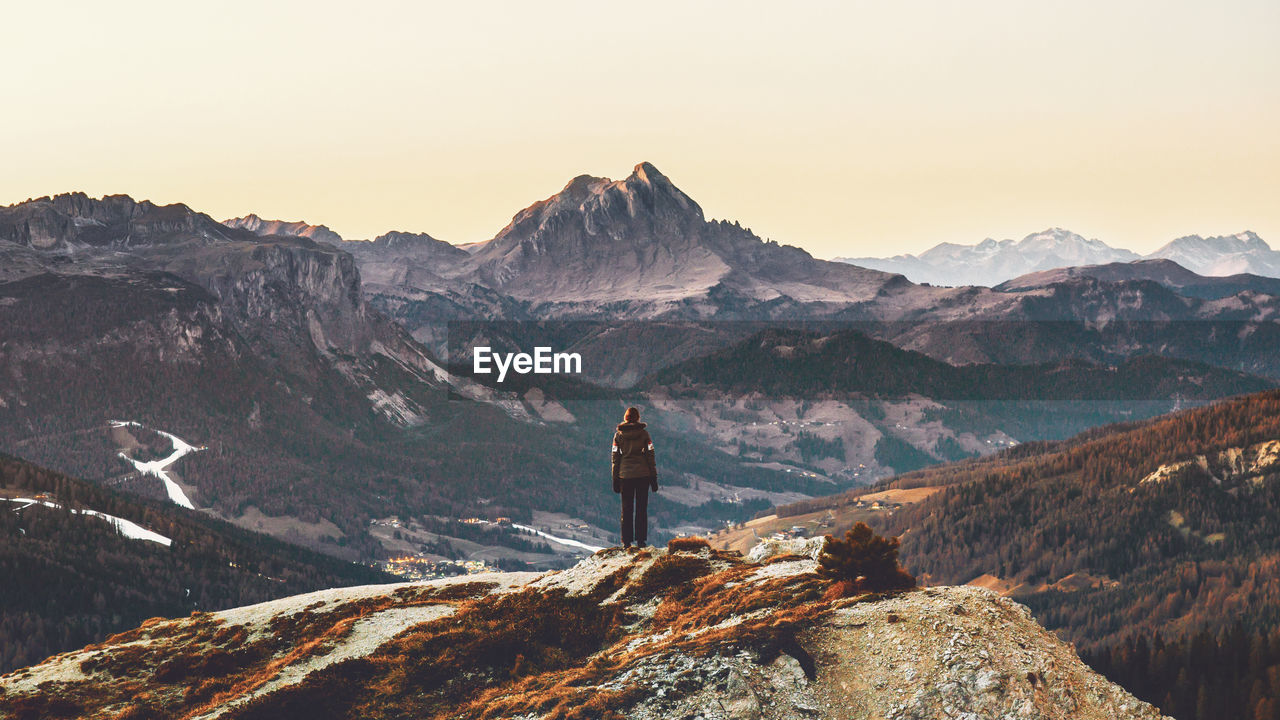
633 453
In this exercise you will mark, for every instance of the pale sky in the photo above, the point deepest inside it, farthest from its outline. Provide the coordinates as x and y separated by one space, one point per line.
848 128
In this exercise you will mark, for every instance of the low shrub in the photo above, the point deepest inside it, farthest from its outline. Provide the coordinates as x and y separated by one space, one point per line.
687 544
863 562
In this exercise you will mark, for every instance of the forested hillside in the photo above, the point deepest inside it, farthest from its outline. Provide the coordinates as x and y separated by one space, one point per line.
71 579
1162 534
803 363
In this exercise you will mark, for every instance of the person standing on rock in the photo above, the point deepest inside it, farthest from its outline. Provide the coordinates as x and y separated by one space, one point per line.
635 473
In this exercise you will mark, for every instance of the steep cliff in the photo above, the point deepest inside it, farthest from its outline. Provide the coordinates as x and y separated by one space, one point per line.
276 285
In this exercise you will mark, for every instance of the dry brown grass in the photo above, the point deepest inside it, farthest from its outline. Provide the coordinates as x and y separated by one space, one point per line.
534 650
790 557
667 573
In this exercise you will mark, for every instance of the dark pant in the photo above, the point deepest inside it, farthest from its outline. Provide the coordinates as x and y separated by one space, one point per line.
635 499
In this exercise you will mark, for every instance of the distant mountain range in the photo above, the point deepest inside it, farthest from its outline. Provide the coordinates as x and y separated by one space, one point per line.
318 372
992 262
639 252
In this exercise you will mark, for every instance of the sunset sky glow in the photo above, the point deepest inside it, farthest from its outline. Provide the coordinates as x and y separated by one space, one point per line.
848 128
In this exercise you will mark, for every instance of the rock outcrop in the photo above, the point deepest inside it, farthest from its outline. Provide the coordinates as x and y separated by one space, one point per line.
689 633
1231 468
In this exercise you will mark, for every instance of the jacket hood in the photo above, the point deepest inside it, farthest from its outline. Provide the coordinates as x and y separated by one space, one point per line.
623 427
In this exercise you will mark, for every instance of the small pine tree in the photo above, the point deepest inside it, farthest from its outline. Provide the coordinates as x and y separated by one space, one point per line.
863 562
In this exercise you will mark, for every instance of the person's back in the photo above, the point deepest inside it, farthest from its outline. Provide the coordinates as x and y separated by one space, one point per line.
635 472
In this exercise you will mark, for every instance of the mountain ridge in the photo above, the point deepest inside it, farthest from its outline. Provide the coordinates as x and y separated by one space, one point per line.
69 220
1160 270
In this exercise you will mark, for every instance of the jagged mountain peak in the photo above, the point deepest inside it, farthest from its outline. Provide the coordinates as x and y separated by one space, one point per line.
75 219
107 208
604 208
261 226
644 239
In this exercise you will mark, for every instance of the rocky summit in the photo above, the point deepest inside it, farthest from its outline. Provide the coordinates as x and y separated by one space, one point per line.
641 238
686 632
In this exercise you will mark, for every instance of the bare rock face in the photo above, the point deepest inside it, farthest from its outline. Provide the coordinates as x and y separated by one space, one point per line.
694 633
274 285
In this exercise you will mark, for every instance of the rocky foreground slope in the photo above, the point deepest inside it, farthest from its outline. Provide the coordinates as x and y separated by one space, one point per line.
683 633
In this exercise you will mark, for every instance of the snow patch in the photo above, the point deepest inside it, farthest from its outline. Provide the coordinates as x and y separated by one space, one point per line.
127 528
563 541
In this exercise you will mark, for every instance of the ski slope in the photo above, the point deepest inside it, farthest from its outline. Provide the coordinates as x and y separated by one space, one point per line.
158 468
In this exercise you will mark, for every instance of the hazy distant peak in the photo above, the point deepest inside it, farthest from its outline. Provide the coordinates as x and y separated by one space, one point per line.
992 261
260 226
407 243
1246 241
402 236
1221 255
